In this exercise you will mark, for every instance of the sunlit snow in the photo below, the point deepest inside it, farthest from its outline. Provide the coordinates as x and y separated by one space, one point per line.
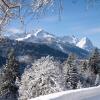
92 93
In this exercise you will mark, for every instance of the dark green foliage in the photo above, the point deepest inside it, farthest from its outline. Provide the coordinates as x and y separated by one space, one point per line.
2 61
84 66
73 77
36 50
72 74
71 59
70 48
9 74
94 62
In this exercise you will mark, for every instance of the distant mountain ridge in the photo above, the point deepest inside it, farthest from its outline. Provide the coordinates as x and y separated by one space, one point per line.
42 36
39 49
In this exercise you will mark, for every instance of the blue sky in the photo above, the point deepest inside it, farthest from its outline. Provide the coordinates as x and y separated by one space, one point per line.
76 20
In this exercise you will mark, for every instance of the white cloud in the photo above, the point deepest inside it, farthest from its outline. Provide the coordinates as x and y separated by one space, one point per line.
95 30
50 19
15 30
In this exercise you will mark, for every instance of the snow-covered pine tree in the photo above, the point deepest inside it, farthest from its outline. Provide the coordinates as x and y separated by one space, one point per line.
97 81
94 62
65 69
71 59
44 77
84 66
72 73
68 63
94 67
8 89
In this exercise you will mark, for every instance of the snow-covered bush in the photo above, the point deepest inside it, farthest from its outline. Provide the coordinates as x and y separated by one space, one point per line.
44 77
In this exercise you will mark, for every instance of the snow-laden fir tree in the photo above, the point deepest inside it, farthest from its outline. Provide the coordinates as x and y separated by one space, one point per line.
87 77
72 76
8 89
90 71
84 66
68 63
94 62
94 65
44 77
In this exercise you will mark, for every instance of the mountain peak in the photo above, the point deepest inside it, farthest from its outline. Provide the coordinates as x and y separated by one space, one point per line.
37 31
40 33
85 43
85 39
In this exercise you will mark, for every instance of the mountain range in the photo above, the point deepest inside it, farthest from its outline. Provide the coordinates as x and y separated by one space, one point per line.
44 37
31 46
39 43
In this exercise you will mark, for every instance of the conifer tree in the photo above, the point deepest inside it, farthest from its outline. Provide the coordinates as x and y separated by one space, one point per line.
72 74
94 62
71 59
9 74
84 67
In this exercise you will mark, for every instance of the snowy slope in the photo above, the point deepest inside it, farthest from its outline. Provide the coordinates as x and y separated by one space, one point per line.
69 39
38 34
24 38
92 93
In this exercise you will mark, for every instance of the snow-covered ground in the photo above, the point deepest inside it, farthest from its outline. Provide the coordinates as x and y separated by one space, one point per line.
92 93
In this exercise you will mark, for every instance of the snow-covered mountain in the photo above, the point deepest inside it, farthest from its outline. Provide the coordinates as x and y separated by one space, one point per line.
42 36
86 44
36 36
69 39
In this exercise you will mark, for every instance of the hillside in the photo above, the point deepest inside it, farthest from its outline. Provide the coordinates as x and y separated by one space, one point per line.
27 52
34 50
92 93
37 50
